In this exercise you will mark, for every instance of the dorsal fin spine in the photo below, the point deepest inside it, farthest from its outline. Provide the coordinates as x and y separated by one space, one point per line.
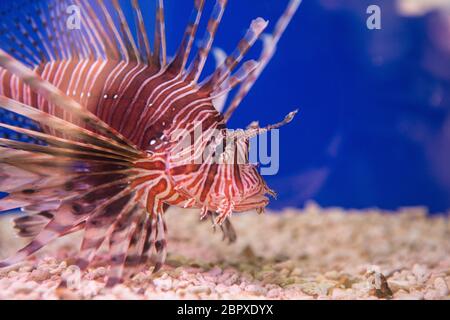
144 43
159 52
28 47
96 34
68 43
197 65
52 35
231 82
39 34
256 28
132 49
270 44
32 43
122 49
180 60
12 39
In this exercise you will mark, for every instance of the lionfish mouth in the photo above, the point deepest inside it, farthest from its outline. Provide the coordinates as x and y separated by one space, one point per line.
103 102
256 202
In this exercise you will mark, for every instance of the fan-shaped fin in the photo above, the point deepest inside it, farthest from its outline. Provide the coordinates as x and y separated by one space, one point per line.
120 241
65 143
55 96
70 216
100 225
30 225
69 129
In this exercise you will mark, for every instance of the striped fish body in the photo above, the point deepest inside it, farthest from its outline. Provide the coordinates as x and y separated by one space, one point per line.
138 100
126 134
146 106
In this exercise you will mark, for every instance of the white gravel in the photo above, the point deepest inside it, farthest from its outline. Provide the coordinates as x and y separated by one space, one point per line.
314 253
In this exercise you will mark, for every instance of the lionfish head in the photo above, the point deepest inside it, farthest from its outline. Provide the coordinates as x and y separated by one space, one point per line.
253 191
215 172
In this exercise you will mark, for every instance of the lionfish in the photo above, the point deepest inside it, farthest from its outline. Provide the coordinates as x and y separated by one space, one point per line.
105 158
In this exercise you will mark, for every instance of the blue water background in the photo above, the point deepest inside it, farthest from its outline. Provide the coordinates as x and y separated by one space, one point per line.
374 125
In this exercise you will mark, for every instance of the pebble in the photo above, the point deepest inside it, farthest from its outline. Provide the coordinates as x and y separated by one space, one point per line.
378 284
340 294
416 295
90 289
323 267
432 295
139 278
273 293
99 272
25 269
67 294
72 277
288 265
420 272
182 284
234 289
164 284
333 275
296 272
23 287
256 289
61 267
232 279
40 274
441 287
215 272
198 289
13 274
397 285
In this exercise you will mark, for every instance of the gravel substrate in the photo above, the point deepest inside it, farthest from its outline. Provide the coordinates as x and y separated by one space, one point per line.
310 254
